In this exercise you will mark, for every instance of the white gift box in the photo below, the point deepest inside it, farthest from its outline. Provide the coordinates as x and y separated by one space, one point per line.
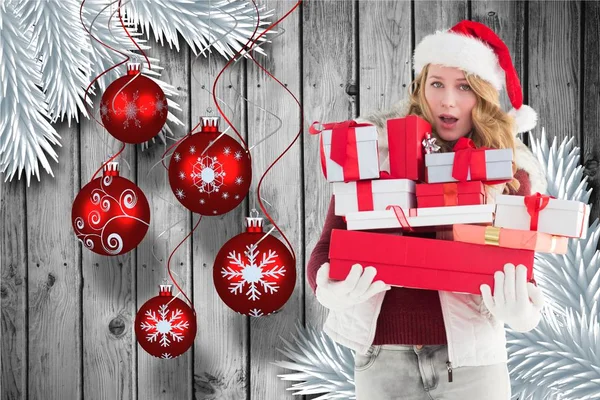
416 217
498 166
560 217
352 196
366 150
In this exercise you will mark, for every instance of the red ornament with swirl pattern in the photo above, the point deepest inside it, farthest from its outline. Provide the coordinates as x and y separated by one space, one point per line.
133 108
165 326
254 274
110 215
210 173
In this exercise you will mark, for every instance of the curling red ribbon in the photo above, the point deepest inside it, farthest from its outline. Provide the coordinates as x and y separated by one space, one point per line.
401 217
344 149
468 158
534 204
364 194
450 194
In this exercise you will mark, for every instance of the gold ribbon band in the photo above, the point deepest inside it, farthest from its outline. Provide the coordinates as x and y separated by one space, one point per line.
492 235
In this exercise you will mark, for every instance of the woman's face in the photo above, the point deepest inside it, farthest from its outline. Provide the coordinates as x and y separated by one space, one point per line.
450 99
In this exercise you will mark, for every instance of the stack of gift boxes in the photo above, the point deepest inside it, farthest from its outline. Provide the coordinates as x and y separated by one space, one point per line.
426 190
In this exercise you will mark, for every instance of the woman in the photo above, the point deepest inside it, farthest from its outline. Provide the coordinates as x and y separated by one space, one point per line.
422 344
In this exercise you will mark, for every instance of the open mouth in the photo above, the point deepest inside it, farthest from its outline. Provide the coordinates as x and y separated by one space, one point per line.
448 120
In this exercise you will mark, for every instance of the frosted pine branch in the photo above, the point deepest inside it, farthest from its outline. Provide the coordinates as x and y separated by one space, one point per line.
225 25
26 136
64 52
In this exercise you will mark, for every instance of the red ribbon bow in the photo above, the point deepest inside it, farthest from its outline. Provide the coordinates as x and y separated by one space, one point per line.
342 134
468 157
534 204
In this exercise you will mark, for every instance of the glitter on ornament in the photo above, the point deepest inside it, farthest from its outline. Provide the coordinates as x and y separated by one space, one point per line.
205 168
160 106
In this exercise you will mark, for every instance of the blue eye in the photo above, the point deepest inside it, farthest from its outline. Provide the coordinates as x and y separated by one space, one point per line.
433 84
466 86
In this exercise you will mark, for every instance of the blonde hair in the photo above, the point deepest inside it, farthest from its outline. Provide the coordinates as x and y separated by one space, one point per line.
492 127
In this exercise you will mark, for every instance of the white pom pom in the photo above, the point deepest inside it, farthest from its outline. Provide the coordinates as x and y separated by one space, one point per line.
525 118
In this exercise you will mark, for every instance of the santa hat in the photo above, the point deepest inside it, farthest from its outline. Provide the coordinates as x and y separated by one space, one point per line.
475 48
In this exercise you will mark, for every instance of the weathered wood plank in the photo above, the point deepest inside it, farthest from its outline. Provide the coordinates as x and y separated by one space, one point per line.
329 90
108 283
13 290
554 65
54 279
507 19
282 189
164 379
221 346
590 136
385 53
432 16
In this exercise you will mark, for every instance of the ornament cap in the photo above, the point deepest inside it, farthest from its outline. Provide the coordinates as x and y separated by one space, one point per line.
165 290
254 224
210 124
111 169
134 68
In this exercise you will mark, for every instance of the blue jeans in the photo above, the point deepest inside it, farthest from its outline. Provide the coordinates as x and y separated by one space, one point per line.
399 372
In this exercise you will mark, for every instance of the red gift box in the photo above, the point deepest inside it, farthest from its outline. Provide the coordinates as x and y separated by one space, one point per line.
450 194
405 136
422 263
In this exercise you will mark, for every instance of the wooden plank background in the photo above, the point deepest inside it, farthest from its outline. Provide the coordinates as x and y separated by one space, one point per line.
67 313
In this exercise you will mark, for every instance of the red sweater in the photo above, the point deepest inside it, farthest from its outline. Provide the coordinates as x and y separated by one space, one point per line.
408 316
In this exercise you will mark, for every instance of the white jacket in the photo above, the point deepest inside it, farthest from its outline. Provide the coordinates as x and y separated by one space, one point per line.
475 337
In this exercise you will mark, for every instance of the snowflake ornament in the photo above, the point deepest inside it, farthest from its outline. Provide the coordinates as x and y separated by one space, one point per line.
208 174
165 326
254 273
131 110
215 180
160 106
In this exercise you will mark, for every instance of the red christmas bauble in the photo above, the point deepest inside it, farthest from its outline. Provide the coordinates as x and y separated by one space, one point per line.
210 176
165 326
133 108
110 215
254 279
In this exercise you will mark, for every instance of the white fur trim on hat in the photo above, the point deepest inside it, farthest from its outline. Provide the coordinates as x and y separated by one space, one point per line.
454 50
525 118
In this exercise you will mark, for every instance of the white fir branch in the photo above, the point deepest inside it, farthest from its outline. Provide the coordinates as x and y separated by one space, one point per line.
26 136
320 365
64 52
557 360
560 359
225 25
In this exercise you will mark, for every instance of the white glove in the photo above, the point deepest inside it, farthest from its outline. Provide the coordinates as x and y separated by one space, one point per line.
510 303
357 288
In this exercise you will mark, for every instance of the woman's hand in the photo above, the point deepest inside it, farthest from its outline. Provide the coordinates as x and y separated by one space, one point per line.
357 288
511 303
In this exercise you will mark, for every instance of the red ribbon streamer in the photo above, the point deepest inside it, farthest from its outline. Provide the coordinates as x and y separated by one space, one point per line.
534 204
364 193
450 194
401 217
